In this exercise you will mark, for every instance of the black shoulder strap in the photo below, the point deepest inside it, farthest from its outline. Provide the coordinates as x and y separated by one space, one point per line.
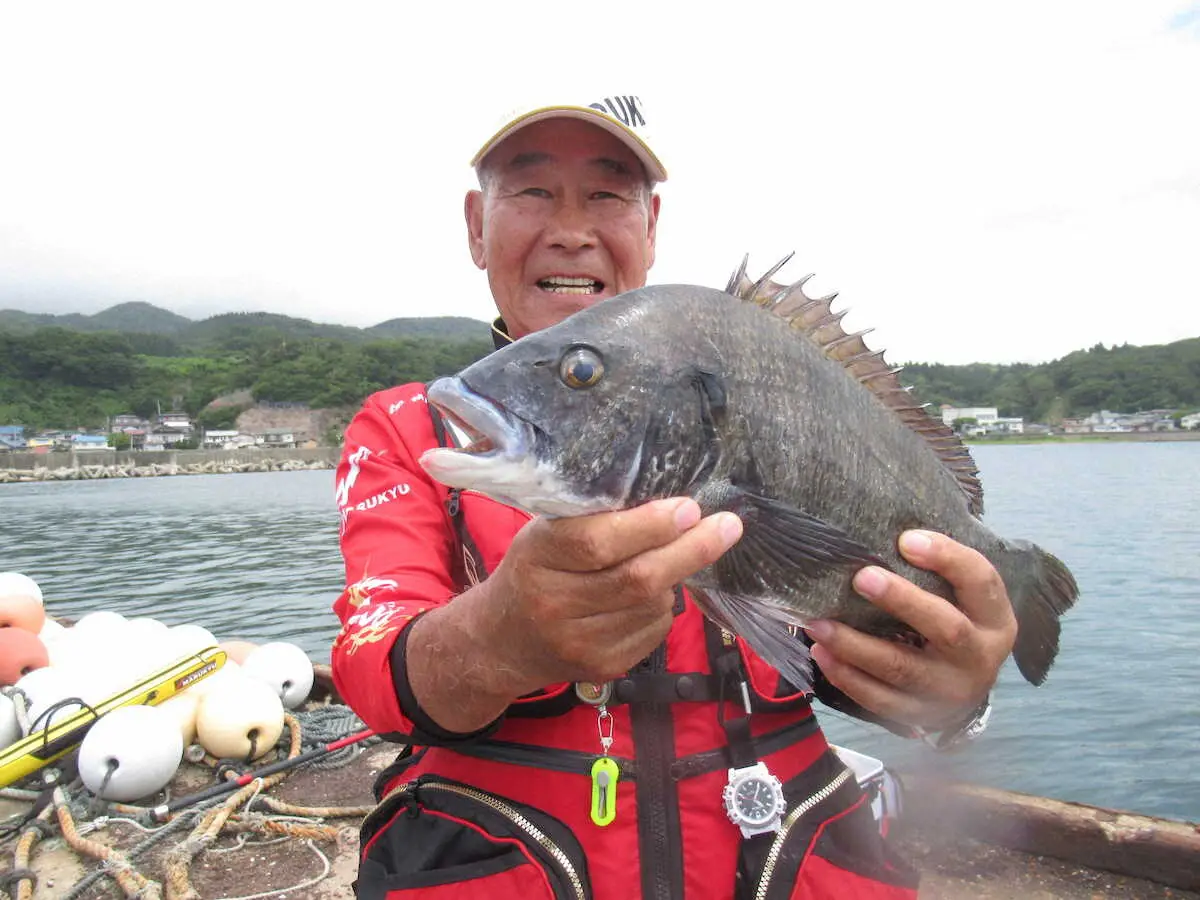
468 559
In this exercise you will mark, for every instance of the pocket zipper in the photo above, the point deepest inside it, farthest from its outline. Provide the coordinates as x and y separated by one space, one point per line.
513 816
792 818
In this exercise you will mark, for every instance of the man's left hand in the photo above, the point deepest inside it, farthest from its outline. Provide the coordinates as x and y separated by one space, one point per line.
935 685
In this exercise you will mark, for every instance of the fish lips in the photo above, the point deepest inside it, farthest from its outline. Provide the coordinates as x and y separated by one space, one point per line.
495 433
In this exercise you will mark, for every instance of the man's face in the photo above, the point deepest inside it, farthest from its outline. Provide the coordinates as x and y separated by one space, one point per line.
564 220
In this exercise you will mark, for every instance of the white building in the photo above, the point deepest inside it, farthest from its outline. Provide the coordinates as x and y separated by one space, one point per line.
983 415
1189 422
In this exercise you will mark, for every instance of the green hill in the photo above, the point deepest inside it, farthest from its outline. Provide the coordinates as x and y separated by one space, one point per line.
448 328
139 318
238 328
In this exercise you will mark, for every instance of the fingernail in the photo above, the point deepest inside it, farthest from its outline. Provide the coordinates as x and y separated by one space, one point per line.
870 582
819 629
915 541
729 527
687 514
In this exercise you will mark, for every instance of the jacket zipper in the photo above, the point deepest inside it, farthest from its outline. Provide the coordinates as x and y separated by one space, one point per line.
555 851
792 818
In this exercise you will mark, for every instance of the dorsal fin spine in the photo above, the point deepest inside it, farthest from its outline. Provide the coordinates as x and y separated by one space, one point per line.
815 318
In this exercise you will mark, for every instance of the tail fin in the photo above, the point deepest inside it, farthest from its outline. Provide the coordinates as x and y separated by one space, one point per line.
1041 589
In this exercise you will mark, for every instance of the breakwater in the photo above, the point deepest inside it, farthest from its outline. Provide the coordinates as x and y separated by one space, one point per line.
89 464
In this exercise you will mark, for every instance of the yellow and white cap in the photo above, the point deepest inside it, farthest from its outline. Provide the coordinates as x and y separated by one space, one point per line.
621 115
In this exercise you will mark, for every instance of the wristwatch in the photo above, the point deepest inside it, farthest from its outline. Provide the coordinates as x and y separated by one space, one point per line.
962 732
754 800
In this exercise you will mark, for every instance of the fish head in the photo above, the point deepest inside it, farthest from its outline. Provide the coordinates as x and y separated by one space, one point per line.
611 407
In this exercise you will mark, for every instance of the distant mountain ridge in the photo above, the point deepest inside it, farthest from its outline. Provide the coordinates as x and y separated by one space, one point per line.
138 317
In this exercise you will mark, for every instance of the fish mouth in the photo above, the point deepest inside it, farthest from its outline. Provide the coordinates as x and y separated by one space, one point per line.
502 456
491 432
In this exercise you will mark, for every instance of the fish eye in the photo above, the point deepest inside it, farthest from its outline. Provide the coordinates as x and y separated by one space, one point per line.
581 367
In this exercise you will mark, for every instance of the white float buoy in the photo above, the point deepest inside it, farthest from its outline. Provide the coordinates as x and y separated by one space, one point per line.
285 668
182 709
10 728
130 753
49 686
52 631
239 718
14 584
190 639
101 621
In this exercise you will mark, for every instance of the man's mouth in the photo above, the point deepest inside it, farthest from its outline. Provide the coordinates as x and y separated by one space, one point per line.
563 284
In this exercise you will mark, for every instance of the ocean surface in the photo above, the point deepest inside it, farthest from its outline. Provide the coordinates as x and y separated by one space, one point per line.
1117 723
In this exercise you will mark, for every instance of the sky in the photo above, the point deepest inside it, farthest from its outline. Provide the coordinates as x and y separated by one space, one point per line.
978 182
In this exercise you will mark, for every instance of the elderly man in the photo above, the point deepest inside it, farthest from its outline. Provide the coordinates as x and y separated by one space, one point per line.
568 713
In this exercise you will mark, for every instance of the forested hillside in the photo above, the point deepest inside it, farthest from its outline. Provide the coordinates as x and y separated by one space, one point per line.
64 377
1121 379
57 378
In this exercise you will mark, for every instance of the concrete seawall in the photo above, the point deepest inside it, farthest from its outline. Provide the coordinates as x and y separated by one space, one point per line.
89 464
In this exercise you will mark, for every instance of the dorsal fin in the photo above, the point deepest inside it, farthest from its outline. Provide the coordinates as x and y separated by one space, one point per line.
815 318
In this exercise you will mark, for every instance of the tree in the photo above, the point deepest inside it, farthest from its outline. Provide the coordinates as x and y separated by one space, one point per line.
119 440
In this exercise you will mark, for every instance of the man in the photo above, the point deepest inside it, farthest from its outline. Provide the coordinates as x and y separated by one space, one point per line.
575 726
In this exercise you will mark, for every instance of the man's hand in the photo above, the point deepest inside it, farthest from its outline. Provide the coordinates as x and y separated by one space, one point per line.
574 599
935 685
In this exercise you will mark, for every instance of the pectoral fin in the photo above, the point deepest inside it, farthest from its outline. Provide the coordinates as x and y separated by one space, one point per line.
766 626
781 546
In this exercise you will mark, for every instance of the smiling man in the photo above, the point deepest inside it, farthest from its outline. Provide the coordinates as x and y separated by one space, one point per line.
566 216
566 707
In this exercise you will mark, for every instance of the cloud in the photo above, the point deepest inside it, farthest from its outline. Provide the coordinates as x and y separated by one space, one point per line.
991 184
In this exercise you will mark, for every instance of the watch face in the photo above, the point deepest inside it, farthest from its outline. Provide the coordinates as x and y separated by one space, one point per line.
754 800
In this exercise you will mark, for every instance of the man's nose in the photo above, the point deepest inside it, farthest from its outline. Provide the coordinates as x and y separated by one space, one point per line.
570 228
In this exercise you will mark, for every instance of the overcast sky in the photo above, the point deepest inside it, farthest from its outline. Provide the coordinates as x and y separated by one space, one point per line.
1000 182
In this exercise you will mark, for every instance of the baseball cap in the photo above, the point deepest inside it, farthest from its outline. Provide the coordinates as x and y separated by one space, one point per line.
621 115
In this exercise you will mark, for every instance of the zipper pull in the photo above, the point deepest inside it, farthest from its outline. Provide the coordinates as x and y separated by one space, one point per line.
605 773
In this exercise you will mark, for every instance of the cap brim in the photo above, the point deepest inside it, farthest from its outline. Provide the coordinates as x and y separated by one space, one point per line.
655 170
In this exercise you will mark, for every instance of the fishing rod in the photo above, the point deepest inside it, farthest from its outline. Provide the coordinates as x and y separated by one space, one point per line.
162 812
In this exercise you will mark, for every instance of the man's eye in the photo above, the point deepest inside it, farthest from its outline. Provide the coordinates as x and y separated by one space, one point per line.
605 195
535 192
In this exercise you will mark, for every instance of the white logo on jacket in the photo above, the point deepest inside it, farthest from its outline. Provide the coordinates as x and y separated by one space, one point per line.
342 494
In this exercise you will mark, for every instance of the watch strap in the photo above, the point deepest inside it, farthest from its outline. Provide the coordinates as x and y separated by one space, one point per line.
964 731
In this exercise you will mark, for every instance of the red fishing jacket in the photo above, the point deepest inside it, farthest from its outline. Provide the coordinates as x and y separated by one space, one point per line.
508 811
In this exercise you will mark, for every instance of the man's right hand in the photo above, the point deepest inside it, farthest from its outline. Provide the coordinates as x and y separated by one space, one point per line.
575 599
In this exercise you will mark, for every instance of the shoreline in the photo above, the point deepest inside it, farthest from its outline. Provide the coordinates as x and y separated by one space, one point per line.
99 464
1136 437
25 468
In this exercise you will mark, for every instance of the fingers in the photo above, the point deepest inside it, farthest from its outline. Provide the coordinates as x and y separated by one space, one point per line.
977 585
876 671
931 616
596 542
878 696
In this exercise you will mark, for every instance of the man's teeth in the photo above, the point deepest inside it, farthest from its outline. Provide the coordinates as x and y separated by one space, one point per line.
563 285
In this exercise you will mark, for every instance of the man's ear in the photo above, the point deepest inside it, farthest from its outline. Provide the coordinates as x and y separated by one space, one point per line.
652 229
473 210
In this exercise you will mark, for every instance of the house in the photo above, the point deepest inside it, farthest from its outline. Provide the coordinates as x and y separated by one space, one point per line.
128 420
176 419
163 437
137 438
89 442
12 437
1003 425
226 440
983 415
40 444
277 437
1190 422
